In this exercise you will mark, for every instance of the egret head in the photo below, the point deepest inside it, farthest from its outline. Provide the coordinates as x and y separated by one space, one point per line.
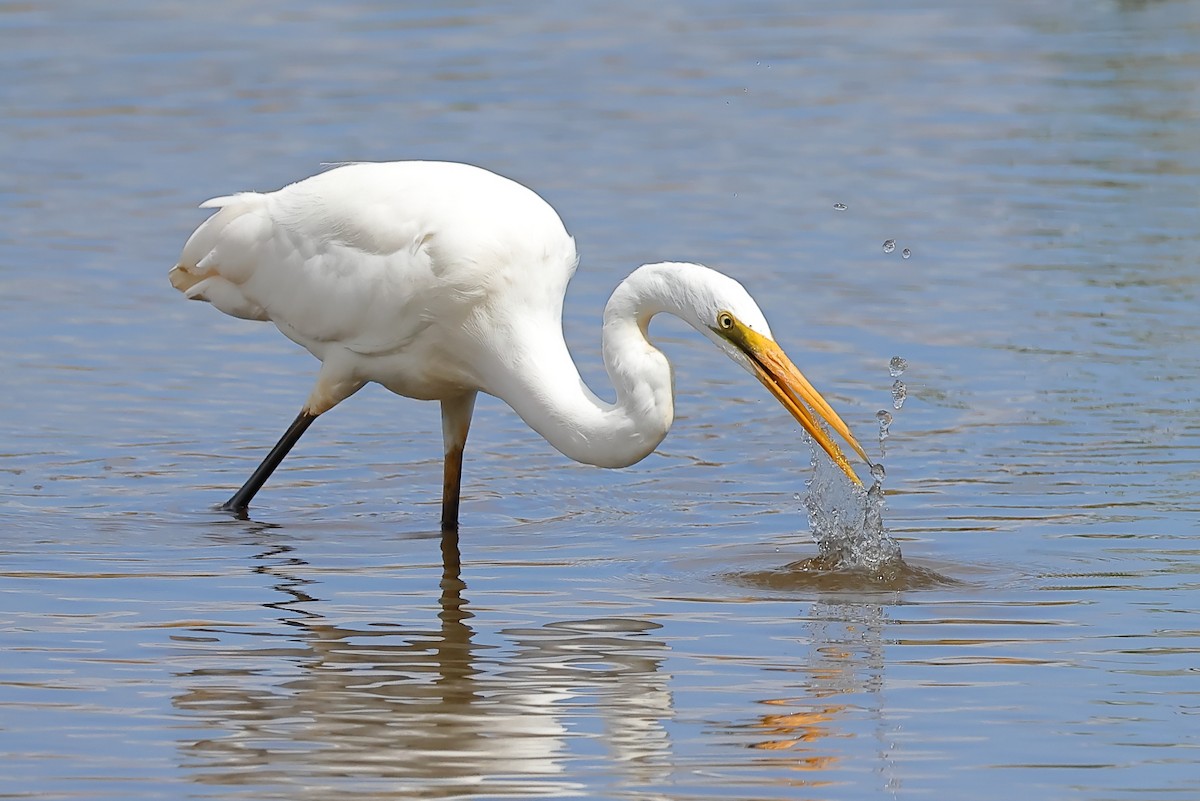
721 309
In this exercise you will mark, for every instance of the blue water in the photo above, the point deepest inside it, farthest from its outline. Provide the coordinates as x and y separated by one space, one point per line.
614 634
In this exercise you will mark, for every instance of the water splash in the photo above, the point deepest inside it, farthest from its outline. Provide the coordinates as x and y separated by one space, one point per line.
855 551
847 521
840 206
889 245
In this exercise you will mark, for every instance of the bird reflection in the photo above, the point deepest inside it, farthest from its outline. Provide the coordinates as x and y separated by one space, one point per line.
799 732
844 679
325 704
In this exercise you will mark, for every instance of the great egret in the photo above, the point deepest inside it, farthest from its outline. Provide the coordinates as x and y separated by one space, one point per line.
441 280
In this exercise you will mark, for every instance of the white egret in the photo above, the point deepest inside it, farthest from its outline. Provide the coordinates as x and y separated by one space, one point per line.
440 281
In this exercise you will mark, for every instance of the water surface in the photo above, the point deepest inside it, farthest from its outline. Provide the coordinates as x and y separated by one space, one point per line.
614 634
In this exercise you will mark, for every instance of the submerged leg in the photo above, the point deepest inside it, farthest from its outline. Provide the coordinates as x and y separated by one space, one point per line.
456 421
241 499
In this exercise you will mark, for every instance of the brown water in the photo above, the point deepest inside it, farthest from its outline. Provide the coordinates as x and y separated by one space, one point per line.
667 631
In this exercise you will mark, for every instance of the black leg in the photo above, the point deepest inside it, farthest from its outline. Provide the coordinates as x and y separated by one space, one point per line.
241 499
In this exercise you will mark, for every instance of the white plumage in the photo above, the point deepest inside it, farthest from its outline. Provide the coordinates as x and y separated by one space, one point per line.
441 280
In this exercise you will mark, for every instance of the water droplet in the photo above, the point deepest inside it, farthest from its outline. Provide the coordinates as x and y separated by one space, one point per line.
899 393
889 245
877 472
906 253
885 419
840 206
897 365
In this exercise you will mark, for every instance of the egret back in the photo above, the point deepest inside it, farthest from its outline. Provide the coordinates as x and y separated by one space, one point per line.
368 259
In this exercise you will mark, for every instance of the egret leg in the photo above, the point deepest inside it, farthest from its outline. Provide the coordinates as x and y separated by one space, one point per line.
456 422
241 499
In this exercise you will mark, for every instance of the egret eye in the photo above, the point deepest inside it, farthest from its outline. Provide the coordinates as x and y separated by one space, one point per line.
725 321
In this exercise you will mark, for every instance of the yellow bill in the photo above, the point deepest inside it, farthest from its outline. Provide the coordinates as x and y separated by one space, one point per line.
789 386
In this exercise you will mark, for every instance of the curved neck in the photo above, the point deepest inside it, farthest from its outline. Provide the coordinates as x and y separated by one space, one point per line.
540 381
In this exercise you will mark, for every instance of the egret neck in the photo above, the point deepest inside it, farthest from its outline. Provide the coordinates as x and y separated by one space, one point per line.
543 384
